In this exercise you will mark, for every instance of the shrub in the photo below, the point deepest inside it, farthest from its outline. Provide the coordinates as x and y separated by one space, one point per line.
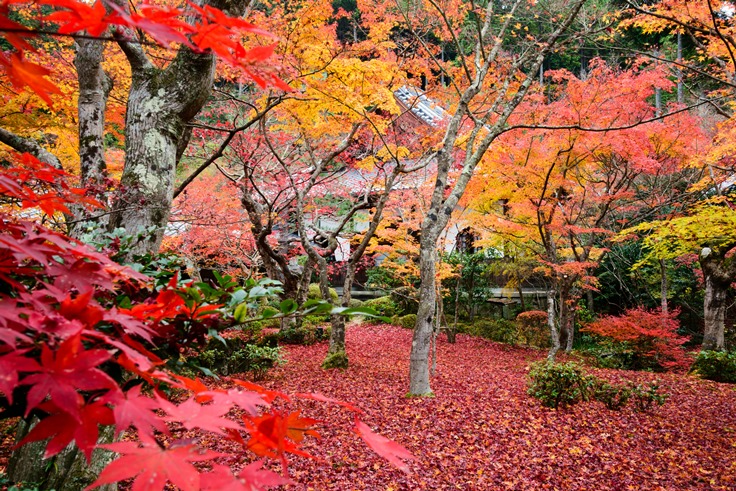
645 397
315 320
608 353
499 330
383 305
614 397
237 356
354 303
298 335
719 366
532 328
408 321
652 337
558 384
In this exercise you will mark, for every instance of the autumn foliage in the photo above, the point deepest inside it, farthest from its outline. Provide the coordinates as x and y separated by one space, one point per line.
84 342
652 336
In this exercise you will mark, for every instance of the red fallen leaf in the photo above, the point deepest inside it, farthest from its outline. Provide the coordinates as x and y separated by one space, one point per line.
322 398
192 414
268 395
153 466
246 400
63 428
24 73
251 478
388 449
65 371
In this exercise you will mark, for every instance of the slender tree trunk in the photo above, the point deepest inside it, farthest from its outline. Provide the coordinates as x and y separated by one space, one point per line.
420 346
94 89
554 334
678 71
663 286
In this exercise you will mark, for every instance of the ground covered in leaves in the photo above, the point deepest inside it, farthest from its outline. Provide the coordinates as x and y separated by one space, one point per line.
483 432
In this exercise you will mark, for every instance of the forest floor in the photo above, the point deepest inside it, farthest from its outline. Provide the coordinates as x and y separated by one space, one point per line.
482 431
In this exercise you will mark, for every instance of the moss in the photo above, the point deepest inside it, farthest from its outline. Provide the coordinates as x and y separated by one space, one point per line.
314 293
383 305
428 395
335 360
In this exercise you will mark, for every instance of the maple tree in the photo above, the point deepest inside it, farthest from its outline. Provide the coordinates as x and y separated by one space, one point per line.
173 88
486 87
564 191
317 169
652 336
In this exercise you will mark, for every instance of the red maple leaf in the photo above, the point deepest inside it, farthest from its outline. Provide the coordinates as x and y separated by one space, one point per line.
248 401
66 370
62 428
78 16
24 73
136 410
192 414
388 449
10 365
154 466
274 435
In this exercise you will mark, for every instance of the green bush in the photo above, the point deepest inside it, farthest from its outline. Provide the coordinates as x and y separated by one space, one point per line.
613 396
564 384
315 294
608 353
298 335
315 320
559 384
499 330
645 397
354 303
383 305
239 356
719 366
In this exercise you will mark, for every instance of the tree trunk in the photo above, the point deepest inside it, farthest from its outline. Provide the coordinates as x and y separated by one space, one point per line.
714 307
420 345
554 334
718 272
160 104
663 286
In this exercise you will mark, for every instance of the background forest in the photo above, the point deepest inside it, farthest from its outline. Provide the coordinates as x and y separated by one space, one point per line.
196 191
